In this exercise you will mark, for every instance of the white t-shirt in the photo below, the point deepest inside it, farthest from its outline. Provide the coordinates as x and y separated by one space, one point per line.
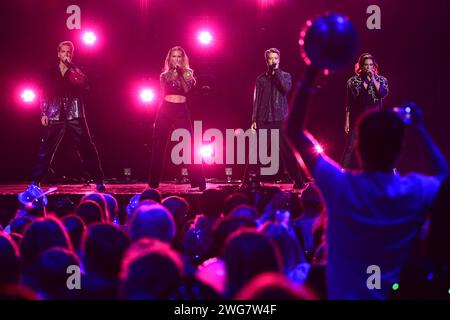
373 218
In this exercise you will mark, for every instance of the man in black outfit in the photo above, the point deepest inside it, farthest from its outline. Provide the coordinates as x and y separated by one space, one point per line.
270 109
62 110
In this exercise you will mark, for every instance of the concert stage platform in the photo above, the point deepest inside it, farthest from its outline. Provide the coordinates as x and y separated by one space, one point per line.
123 192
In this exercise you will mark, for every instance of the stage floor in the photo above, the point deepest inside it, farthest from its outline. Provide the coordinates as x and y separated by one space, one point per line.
166 188
123 192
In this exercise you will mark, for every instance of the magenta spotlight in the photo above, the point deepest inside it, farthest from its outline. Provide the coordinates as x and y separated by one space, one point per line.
28 95
206 151
89 38
318 148
147 95
205 38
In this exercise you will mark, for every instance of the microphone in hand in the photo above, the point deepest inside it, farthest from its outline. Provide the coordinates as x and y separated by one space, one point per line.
69 63
272 68
179 70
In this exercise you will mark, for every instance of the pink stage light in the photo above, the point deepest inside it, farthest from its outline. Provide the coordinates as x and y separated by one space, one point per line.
206 151
266 4
28 95
205 38
147 95
318 148
89 38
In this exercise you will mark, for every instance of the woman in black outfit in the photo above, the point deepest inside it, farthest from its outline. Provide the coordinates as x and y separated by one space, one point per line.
176 80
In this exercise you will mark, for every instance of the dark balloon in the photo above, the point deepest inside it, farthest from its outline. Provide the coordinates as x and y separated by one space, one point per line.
329 42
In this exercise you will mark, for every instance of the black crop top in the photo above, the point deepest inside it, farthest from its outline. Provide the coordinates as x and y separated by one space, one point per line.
171 84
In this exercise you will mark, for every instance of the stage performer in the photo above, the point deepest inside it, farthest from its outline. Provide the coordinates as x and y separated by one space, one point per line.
176 80
365 91
62 111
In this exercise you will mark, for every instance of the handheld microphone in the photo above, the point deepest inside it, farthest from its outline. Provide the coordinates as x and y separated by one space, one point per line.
272 68
179 70
69 63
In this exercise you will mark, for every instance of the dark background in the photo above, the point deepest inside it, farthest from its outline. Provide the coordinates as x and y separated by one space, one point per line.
135 35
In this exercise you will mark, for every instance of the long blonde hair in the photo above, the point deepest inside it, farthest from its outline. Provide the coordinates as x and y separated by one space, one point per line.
184 60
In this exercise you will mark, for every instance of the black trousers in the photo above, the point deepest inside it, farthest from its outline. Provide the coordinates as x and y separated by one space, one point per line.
347 157
171 116
286 154
81 137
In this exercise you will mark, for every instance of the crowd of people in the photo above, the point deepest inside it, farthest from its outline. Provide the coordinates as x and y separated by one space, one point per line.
267 244
159 248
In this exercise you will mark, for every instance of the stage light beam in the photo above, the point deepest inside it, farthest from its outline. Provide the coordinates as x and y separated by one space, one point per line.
28 95
147 95
318 148
206 151
205 38
89 38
